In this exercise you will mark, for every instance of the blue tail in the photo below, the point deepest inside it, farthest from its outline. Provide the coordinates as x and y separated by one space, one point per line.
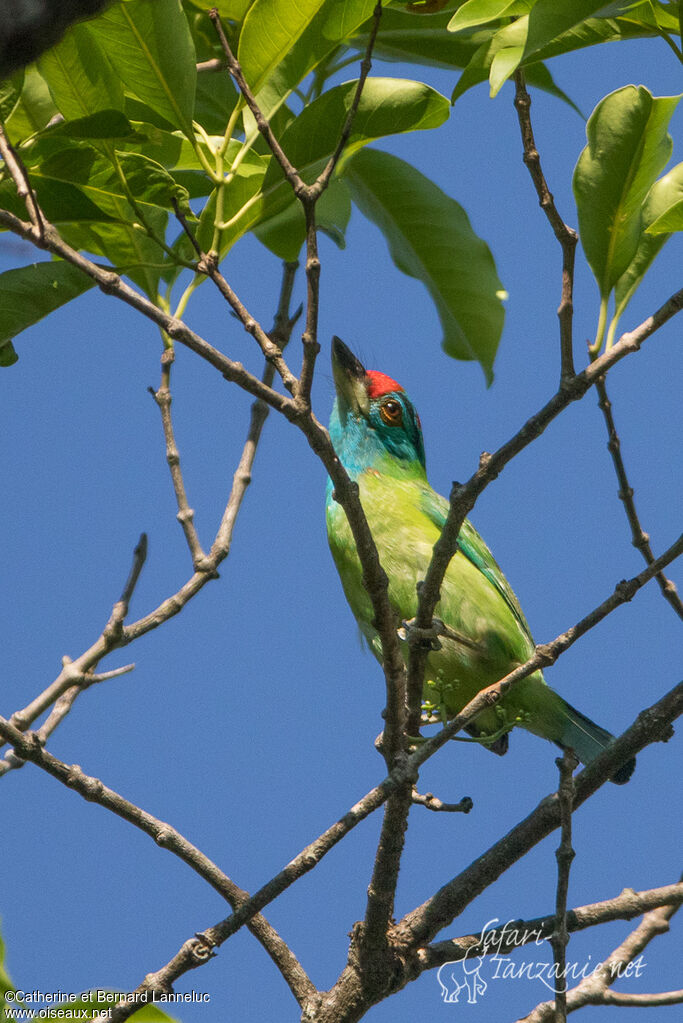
588 740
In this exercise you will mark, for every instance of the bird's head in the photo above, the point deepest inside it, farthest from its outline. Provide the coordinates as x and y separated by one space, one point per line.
373 424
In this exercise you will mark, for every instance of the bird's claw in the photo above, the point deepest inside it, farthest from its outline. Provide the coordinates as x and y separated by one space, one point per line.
428 638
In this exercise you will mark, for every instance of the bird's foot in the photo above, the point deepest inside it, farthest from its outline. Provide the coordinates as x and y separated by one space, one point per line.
426 638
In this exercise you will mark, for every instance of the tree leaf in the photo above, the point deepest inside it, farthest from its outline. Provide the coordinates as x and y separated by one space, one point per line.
285 233
105 124
235 10
29 293
34 109
628 146
334 23
79 76
661 211
61 201
215 101
427 41
430 238
480 12
591 32
550 19
81 165
270 29
388 106
503 66
10 93
150 45
126 246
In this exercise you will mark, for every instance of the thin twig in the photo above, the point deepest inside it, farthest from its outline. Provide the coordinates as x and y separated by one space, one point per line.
432 802
185 516
75 674
419 927
113 635
565 235
516 933
288 169
640 539
463 496
648 727
308 198
93 790
208 266
323 179
565 854
594 989
20 177
112 284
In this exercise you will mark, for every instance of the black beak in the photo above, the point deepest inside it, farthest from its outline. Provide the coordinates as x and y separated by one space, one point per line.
344 358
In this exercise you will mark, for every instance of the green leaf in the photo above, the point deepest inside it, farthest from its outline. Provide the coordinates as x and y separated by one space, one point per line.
79 76
480 12
333 211
150 45
550 19
31 292
628 146
270 30
61 202
662 214
80 165
503 66
34 109
105 124
10 92
232 9
285 233
388 106
424 40
341 20
430 238
215 101
5 982
591 32
126 246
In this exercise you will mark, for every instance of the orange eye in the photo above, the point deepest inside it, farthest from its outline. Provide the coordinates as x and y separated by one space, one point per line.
391 412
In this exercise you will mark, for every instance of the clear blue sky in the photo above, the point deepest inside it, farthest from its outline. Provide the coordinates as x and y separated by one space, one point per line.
250 719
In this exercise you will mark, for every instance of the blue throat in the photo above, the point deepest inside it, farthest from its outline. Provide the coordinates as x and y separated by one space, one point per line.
362 446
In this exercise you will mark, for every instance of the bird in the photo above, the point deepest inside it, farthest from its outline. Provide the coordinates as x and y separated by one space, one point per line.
377 436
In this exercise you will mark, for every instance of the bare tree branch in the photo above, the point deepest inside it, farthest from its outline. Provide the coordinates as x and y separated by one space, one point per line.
185 516
432 802
640 539
559 938
565 235
594 989
516 933
114 635
308 198
288 168
463 496
416 929
77 675
112 284
165 836
22 182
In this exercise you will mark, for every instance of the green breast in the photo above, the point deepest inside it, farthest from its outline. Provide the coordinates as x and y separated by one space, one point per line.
491 637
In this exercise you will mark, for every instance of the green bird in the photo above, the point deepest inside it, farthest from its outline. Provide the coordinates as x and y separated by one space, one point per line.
377 435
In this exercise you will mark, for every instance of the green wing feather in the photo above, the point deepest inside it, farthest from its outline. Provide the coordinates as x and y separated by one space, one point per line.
475 550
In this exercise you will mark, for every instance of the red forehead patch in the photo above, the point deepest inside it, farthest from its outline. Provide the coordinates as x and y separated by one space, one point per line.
379 383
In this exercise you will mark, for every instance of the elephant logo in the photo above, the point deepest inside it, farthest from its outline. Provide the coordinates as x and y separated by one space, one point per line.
462 974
